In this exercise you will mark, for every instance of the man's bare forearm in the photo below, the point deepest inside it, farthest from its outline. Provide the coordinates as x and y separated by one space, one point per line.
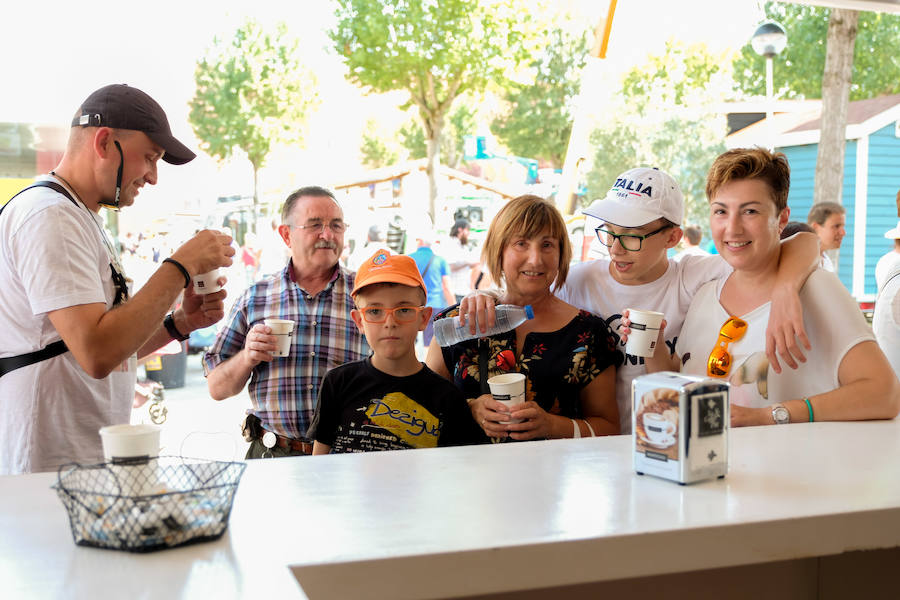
230 376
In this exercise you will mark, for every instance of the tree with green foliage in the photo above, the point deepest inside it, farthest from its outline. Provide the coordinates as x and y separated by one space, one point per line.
834 54
434 50
799 68
252 93
666 118
374 151
539 121
460 123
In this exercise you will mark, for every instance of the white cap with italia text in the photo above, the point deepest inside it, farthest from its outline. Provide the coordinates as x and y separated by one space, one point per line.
640 196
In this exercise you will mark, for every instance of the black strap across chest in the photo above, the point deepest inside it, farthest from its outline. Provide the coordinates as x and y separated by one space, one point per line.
11 363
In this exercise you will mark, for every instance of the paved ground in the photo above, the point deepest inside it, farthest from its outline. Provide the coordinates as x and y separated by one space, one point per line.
196 425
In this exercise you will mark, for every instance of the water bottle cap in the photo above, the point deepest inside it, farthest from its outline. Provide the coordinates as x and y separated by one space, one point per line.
529 312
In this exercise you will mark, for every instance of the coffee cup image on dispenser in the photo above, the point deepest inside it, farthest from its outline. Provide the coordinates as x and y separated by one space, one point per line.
660 431
656 424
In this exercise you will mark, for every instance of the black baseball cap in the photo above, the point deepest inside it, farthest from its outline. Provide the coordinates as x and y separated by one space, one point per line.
124 107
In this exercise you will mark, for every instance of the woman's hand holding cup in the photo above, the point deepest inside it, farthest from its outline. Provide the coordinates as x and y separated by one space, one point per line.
534 422
490 415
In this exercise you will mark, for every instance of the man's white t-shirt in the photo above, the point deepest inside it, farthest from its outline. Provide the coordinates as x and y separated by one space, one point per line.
459 258
885 266
591 287
833 322
52 257
886 320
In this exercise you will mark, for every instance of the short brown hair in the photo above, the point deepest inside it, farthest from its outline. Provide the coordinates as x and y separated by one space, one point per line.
820 212
751 163
526 216
693 234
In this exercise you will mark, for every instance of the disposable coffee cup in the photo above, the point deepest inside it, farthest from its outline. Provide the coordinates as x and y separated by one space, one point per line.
508 389
132 451
282 330
207 283
644 332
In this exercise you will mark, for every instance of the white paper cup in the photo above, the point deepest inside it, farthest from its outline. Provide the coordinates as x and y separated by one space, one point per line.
207 283
282 330
132 450
508 389
644 332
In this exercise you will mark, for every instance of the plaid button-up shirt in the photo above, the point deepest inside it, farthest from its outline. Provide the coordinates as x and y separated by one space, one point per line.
284 391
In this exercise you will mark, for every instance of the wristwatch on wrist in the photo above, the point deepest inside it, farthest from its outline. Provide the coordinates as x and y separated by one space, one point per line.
169 324
781 415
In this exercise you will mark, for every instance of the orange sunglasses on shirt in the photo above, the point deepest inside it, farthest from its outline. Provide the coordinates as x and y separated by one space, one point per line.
719 362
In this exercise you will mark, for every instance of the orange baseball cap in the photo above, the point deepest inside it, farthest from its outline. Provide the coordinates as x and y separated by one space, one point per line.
384 267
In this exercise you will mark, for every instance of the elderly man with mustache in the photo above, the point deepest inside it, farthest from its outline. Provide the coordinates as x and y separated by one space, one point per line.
313 291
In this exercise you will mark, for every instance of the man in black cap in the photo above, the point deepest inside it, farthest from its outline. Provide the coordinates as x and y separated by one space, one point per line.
72 334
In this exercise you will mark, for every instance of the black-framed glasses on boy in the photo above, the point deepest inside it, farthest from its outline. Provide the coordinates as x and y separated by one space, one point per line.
402 314
629 241
317 227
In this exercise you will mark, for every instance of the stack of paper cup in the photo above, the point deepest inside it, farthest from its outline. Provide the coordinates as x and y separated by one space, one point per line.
282 330
132 450
508 389
644 332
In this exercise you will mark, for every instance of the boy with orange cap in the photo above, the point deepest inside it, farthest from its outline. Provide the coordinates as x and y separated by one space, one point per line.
389 401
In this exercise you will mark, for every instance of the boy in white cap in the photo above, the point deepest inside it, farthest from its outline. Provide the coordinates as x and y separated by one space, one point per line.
642 215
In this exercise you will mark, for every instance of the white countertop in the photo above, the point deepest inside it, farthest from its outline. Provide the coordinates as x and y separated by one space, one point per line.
484 519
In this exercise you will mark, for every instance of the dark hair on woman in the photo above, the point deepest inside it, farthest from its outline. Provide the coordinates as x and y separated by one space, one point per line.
457 225
795 227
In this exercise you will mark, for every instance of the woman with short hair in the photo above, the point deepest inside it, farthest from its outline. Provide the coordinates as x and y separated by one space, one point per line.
568 355
844 377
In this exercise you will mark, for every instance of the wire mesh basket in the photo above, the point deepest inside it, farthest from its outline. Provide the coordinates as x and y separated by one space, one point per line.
148 505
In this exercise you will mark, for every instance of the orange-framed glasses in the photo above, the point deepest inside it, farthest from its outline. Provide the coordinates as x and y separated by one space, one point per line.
719 362
402 314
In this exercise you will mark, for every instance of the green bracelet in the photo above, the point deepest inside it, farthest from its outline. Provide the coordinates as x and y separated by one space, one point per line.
809 408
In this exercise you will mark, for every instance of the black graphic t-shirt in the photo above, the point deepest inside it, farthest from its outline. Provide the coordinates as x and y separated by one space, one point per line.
557 364
362 409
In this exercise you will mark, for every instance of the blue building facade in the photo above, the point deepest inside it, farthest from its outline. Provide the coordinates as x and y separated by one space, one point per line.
871 182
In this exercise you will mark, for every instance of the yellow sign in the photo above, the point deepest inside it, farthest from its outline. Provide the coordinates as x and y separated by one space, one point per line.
10 186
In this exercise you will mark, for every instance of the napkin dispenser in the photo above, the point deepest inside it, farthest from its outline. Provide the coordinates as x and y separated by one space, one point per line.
679 426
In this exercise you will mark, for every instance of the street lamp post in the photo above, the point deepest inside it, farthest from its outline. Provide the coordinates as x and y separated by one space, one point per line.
768 41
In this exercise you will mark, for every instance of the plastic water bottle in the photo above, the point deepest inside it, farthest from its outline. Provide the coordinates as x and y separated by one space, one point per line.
509 316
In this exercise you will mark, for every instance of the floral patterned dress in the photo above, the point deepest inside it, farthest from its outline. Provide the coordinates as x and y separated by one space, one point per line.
557 364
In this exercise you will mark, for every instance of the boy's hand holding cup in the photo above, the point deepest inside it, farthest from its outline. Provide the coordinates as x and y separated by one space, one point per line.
643 337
